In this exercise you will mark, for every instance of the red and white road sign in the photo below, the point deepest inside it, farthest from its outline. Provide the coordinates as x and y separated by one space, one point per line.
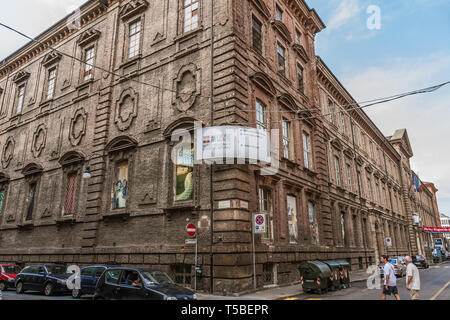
191 230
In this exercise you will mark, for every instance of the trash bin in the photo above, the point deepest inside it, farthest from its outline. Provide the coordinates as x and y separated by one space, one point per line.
315 276
335 280
344 273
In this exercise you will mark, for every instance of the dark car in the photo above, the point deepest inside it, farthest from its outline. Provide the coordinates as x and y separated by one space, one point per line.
88 280
46 278
420 262
120 283
8 274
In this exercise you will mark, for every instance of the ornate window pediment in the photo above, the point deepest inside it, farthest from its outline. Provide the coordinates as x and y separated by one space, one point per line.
21 76
32 169
264 82
369 168
261 6
4 178
336 143
71 158
377 174
51 58
88 37
301 52
121 143
133 8
281 28
288 101
359 160
349 153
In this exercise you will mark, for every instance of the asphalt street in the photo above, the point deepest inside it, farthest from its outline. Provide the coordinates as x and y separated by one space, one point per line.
435 285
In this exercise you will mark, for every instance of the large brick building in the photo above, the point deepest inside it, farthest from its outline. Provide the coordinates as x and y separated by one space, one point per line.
342 187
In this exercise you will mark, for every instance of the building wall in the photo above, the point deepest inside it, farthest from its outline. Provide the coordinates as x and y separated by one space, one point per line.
128 112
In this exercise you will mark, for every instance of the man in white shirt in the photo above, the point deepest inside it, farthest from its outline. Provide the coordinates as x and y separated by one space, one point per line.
412 279
390 280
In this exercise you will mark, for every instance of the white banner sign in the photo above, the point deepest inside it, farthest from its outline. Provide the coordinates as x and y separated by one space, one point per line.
233 142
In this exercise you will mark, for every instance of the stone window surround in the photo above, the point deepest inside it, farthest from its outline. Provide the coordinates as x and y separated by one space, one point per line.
71 163
181 32
31 178
4 186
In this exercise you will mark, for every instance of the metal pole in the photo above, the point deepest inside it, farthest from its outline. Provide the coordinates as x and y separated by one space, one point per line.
196 262
211 254
254 251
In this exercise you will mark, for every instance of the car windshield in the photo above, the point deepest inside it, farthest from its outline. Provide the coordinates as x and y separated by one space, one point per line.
157 277
11 269
393 261
57 270
419 258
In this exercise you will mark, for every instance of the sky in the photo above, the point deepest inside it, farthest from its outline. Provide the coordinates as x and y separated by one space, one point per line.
408 50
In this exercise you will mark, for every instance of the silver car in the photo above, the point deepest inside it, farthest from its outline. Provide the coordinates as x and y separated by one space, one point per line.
399 266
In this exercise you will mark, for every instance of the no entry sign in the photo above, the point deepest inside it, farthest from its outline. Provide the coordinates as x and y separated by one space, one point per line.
191 230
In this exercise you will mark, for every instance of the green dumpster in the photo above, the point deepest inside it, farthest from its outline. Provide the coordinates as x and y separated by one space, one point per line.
335 280
344 273
315 276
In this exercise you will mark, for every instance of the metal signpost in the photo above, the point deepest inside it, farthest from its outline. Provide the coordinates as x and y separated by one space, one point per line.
258 227
191 230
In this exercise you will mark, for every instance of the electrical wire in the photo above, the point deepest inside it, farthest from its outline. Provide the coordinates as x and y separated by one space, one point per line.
100 68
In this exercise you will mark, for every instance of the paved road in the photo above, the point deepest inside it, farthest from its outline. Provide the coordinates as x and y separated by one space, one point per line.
435 285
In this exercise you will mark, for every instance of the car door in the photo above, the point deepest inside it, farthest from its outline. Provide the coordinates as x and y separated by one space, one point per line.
110 289
39 278
97 274
87 275
127 290
26 277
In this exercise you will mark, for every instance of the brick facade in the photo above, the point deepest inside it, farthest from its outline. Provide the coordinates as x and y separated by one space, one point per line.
124 114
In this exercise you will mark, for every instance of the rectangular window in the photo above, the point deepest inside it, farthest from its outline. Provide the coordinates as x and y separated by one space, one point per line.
331 110
69 206
342 123
292 219
301 85
349 178
184 177
261 121
286 139
278 13
2 200
363 141
257 35
307 152
369 189
89 55
281 60
134 39
265 205
298 37
337 171
20 98
313 226
31 200
51 83
191 13
182 274
120 185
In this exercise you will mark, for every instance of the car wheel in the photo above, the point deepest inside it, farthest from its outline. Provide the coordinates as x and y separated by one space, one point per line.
19 288
2 286
48 290
76 293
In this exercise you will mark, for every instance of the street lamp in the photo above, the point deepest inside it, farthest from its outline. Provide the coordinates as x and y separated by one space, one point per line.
87 173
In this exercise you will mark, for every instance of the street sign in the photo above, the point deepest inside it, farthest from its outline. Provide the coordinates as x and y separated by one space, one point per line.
191 230
259 223
388 242
191 241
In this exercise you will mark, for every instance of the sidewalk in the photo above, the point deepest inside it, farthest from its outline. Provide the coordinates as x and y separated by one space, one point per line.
278 293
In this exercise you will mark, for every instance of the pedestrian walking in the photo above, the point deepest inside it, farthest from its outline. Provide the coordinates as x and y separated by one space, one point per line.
412 279
390 280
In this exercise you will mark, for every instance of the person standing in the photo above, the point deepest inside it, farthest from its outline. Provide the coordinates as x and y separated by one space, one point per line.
412 279
390 280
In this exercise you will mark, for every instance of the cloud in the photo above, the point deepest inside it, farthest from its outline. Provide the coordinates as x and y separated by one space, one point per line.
347 10
424 116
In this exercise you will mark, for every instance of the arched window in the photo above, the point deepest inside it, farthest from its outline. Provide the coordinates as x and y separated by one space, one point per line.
72 166
32 173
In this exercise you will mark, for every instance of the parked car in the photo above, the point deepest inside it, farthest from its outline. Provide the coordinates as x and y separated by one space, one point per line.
89 277
420 262
8 274
120 283
46 278
399 267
